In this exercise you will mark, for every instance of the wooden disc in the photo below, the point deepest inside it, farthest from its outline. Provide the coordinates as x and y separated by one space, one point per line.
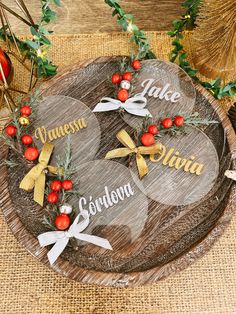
172 237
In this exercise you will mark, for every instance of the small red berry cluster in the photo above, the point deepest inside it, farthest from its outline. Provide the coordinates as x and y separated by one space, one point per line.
30 153
124 81
62 221
148 138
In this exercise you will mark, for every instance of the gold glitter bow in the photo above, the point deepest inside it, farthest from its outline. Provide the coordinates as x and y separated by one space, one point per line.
36 177
130 148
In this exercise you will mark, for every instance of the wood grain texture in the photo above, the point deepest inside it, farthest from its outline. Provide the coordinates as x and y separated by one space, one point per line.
90 16
172 239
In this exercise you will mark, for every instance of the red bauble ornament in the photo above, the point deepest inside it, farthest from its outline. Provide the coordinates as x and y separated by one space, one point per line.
153 129
62 222
167 123
52 197
67 185
136 64
25 111
11 130
147 139
27 139
56 185
127 76
31 153
123 95
5 65
116 78
179 121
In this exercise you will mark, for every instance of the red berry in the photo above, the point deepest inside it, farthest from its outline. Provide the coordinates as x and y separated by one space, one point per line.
127 76
116 78
179 120
167 123
56 185
27 139
153 129
136 64
67 185
147 139
11 130
123 95
25 111
52 197
31 153
62 222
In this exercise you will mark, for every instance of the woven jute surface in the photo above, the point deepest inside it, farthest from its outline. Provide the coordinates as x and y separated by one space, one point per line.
27 286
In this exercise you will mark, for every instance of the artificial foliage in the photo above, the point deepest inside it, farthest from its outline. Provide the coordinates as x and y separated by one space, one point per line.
36 48
214 39
126 21
188 21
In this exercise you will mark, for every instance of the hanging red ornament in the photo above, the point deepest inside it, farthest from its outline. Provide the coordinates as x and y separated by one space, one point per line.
25 111
136 64
127 76
179 120
116 78
167 123
27 139
56 185
52 197
11 130
123 95
147 139
5 65
31 153
67 185
62 222
153 129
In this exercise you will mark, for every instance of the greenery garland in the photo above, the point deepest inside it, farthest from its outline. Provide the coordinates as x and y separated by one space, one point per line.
37 48
217 89
126 21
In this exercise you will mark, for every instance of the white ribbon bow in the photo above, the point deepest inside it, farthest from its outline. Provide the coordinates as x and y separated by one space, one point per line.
61 238
134 105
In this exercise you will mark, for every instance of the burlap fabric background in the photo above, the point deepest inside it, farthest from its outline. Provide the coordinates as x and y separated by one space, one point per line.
28 287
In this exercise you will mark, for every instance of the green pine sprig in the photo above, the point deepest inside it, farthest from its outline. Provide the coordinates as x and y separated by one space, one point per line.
126 21
179 55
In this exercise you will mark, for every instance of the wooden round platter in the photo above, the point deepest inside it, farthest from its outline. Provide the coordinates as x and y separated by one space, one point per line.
173 237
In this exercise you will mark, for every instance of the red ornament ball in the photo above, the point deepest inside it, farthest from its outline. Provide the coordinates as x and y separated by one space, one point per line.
56 185
127 76
27 139
153 129
11 130
136 64
179 120
52 197
167 123
62 222
116 78
5 64
123 95
31 153
25 111
67 185
147 139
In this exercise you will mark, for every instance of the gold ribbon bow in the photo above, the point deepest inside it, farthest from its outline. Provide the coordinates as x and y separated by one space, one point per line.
36 177
130 148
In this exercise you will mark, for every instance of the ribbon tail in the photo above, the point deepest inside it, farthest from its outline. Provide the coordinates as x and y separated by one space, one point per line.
104 243
141 112
142 165
39 189
28 182
57 249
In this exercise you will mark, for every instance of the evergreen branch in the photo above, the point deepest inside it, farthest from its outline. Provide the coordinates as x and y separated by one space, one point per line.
179 55
126 21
